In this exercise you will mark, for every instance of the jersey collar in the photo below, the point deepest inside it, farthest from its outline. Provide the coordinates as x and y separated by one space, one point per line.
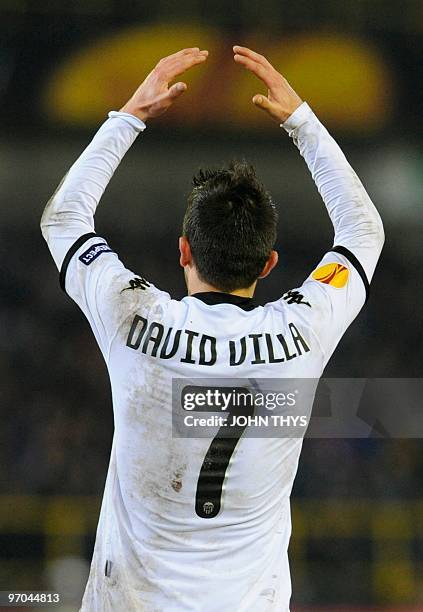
216 297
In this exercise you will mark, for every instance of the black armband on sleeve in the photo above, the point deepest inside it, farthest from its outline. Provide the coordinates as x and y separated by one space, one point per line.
78 243
357 265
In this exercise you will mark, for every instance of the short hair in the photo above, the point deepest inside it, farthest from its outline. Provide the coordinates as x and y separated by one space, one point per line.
230 224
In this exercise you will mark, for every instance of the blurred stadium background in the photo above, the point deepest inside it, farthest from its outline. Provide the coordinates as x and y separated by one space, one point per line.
357 504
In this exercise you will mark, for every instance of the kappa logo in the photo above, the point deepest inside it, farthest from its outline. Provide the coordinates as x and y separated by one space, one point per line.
334 274
295 297
137 283
93 252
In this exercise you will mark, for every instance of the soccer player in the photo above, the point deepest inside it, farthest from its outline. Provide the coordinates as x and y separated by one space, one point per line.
167 540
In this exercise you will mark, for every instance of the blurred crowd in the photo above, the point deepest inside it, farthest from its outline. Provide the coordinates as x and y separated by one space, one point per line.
57 417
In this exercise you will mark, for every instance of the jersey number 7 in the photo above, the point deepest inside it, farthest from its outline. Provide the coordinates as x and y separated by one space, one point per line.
208 498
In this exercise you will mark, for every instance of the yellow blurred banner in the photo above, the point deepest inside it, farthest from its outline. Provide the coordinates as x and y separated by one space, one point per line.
345 80
392 528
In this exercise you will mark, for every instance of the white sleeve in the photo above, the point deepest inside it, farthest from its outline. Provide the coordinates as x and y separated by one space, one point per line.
90 271
334 293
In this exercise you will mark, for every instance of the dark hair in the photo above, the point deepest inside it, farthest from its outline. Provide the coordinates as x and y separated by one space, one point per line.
230 224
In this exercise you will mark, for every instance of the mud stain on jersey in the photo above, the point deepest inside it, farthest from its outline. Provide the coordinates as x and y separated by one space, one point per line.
157 460
176 482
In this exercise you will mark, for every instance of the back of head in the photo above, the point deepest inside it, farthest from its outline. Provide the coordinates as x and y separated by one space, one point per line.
230 224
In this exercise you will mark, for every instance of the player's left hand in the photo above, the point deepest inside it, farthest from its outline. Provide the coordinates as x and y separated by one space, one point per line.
154 96
281 100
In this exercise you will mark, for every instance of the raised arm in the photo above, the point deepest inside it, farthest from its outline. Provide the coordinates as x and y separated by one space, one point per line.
357 224
70 212
90 272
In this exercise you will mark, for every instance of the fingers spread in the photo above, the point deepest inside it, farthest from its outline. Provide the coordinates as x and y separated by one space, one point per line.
182 52
180 64
259 70
256 57
182 55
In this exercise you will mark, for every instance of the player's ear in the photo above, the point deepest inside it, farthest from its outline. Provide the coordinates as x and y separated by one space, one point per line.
270 264
185 258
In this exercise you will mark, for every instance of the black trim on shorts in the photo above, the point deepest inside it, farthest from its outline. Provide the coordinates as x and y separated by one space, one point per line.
357 265
76 245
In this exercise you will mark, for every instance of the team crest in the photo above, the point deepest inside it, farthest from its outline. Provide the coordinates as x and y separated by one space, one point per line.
208 507
334 274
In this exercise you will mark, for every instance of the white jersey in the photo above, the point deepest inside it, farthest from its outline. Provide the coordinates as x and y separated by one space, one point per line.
154 551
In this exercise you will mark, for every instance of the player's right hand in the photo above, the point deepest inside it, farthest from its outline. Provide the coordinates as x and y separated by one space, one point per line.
154 96
281 100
